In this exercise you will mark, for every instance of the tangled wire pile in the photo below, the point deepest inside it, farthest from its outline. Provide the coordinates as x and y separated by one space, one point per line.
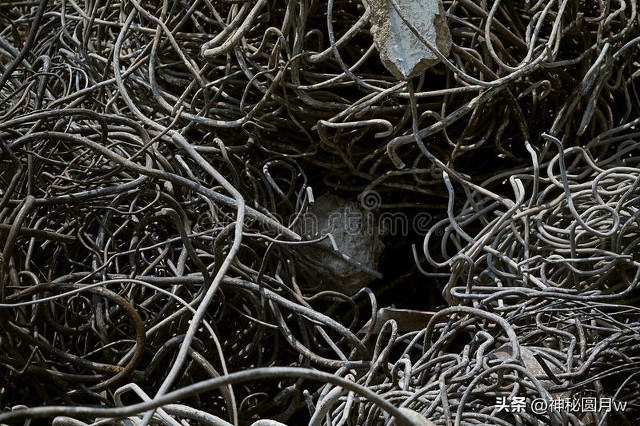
156 158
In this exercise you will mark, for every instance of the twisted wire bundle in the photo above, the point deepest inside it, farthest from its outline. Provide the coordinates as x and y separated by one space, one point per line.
570 231
155 158
466 359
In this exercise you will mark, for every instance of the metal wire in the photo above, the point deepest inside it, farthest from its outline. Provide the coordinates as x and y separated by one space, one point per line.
156 157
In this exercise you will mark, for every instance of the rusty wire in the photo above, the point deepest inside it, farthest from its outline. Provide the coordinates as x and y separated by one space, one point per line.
156 156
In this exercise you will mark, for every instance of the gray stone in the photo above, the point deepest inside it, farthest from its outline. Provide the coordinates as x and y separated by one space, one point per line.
357 238
401 51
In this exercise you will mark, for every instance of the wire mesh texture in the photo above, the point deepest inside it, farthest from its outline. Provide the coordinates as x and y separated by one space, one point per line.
157 157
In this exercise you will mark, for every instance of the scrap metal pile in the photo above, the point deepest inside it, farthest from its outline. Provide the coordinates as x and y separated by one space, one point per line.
157 160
